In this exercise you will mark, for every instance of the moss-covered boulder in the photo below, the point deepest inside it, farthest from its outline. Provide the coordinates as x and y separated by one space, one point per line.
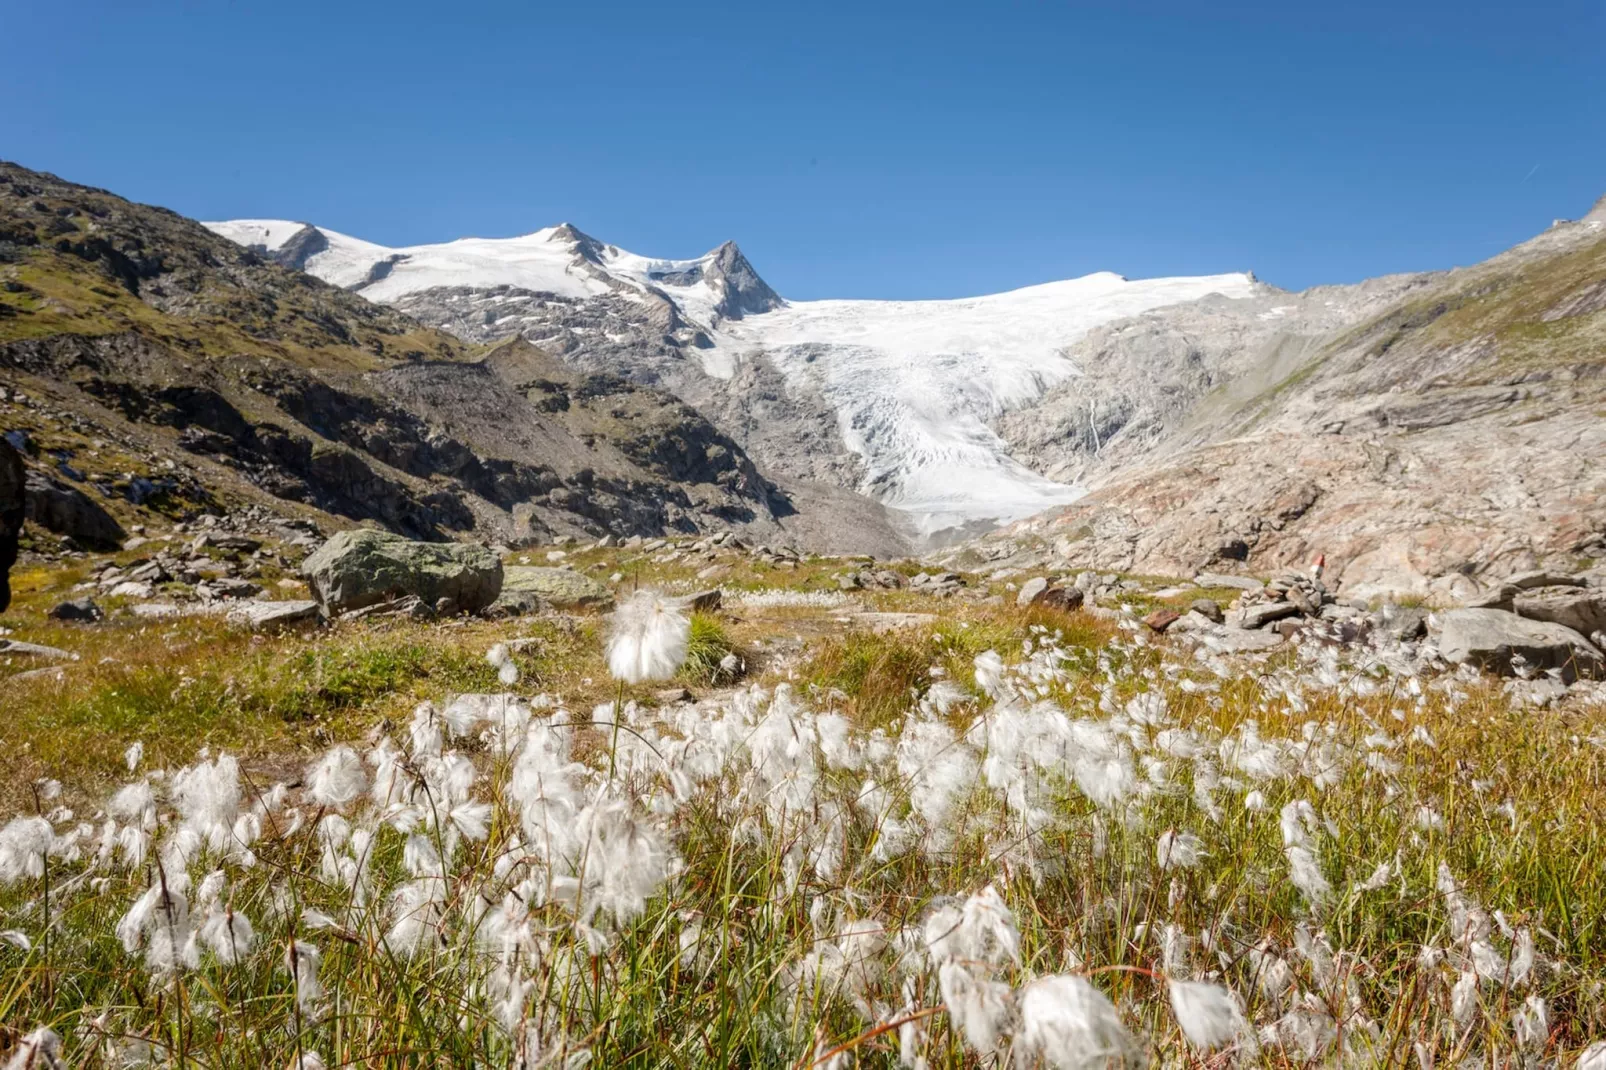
362 567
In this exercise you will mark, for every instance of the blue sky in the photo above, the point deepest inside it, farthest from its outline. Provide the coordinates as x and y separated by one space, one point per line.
854 149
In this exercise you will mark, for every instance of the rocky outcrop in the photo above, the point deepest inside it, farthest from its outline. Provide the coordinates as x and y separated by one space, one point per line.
13 506
1502 642
68 511
361 568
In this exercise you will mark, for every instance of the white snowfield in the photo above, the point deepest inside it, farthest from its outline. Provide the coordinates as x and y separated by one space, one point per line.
915 384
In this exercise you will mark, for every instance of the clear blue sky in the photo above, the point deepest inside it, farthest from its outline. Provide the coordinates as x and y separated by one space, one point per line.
854 149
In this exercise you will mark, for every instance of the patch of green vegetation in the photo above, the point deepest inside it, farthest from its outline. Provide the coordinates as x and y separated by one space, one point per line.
709 645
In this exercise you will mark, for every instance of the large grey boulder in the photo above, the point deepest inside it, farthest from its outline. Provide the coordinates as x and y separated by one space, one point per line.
558 587
13 506
1583 609
1491 638
361 568
68 511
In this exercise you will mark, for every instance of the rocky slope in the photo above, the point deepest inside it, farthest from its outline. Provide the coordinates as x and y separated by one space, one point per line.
147 363
1428 434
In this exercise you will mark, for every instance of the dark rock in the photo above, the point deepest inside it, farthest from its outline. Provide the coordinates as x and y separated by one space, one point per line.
82 609
67 511
706 601
13 507
1064 599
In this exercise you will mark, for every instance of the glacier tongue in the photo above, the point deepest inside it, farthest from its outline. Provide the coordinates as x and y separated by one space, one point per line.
915 385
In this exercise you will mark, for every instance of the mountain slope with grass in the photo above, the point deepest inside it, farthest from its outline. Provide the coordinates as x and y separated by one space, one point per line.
149 364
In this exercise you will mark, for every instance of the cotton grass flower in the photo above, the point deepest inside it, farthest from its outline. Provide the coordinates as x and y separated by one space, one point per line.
337 778
648 639
1206 1013
39 1050
1071 1025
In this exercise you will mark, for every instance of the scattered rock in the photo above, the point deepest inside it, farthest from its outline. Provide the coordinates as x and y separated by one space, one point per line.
77 609
881 623
556 586
13 647
706 601
361 568
1260 614
1030 590
1064 599
270 616
1493 638
1161 619
1399 622
132 589
1208 608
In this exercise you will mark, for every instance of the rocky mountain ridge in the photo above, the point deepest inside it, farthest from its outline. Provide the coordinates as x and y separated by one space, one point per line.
147 363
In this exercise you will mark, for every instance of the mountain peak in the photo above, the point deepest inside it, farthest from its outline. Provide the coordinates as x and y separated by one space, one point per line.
745 293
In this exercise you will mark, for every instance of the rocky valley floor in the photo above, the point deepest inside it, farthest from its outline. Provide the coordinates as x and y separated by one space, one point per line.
886 813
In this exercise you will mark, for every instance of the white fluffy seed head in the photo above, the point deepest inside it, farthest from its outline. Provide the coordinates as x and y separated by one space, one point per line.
648 640
1207 1014
337 778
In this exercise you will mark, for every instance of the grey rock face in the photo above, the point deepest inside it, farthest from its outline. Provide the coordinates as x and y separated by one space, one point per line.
1493 638
355 569
1580 608
272 616
66 510
1030 590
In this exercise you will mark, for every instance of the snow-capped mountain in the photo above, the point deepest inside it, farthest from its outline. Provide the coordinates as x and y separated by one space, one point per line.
913 387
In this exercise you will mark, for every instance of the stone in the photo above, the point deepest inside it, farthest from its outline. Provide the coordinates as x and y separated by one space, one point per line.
517 604
1527 581
361 567
1064 599
671 696
1161 619
13 507
78 609
1502 596
11 647
706 601
849 581
558 587
1492 638
271 616
131 589
1208 608
1260 614
67 511
1403 623
1582 609
1030 590
1223 579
